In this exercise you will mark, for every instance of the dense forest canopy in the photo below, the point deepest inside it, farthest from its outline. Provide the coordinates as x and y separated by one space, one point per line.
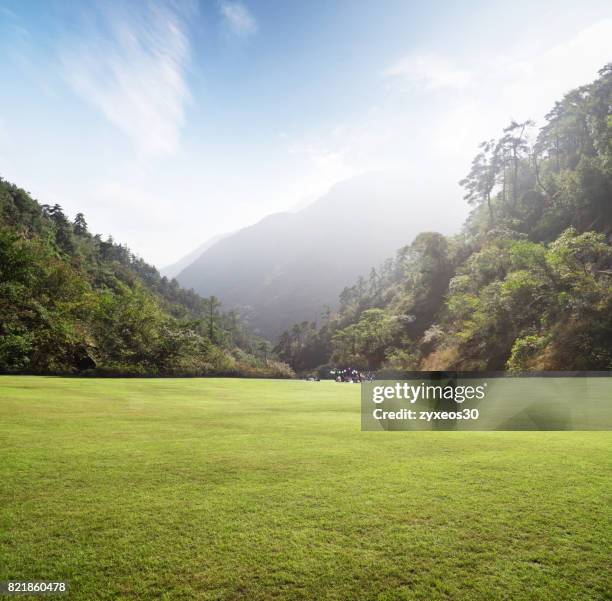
71 302
527 285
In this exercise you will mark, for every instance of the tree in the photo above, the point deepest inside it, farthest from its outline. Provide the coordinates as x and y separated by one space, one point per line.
213 316
80 225
265 347
481 179
514 145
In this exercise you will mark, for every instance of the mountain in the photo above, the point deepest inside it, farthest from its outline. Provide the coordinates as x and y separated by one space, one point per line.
288 266
171 271
71 302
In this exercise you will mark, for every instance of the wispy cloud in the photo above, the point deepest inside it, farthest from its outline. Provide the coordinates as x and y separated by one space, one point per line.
238 18
7 12
129 63
429 71
406 132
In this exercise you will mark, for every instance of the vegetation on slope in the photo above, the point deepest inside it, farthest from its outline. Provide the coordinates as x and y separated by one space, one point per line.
71 302
527 285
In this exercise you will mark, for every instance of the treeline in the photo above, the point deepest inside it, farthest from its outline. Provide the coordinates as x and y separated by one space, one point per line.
71 302
527 285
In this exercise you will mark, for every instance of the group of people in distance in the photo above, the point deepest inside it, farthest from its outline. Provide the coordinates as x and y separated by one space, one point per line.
349 374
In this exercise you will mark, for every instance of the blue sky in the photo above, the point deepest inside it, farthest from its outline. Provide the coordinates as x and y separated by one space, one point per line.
175 121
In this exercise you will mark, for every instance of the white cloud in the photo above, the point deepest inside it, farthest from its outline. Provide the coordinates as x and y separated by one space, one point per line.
520 87
532 84
429 71
238 18
130 66
8 12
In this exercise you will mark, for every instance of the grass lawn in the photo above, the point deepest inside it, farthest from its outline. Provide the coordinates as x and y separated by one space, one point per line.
256 489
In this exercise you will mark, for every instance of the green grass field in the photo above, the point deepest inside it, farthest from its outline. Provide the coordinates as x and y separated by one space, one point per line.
254 489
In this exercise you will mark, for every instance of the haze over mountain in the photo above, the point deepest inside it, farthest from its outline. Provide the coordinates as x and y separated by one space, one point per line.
288 266
171 271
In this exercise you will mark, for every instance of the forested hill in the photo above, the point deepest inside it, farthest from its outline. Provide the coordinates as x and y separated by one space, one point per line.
71 302
527 285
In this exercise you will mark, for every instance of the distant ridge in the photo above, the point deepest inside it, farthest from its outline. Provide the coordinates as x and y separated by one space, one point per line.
171 271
